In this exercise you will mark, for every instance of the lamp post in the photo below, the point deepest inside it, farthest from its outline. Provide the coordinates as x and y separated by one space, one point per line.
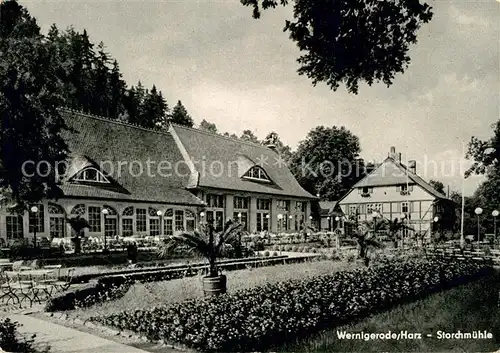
403 233
495 214
267 217
202 215
159 214
337 235
436 220
34 209
329 223
105 212
374 217
478 211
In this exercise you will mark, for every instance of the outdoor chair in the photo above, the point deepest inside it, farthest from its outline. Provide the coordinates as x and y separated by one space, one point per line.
6 292
46 288
16 266
48 279
64 284
20 289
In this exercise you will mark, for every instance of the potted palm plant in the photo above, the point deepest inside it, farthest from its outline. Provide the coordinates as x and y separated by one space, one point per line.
364 234
78 224
209 244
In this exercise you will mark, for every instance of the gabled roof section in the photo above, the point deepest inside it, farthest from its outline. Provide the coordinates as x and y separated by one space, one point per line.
392 172
120 150
328 208
222 161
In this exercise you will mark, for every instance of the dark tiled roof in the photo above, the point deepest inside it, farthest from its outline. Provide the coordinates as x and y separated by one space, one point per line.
106 143
328 208
231 158
392 172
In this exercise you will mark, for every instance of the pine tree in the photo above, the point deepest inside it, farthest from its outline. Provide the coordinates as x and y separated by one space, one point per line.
117 90
180 116
154 109
131 104
101 100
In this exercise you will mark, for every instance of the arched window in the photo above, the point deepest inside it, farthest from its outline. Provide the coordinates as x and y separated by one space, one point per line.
128 221
91 174
79 210
57 221
257 173
110 222
154 221
168 224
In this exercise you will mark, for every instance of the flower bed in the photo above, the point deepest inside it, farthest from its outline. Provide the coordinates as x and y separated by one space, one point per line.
256 318
111 287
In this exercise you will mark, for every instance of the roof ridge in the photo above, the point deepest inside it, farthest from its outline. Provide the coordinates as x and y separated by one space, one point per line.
114 121
220 136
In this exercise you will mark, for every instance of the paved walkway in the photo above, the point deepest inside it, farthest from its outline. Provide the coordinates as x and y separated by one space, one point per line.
64 339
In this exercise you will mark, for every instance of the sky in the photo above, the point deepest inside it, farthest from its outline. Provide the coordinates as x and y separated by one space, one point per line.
241 73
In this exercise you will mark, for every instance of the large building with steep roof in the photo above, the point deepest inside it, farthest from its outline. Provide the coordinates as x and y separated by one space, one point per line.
154 182
395 191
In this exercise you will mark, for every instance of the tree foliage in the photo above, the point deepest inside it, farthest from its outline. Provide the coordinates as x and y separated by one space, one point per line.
180 116
249 136
327 162
350 41
437 185
207 126
485 153
30 92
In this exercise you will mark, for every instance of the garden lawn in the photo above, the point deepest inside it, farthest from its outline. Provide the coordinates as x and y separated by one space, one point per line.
148 295
474 306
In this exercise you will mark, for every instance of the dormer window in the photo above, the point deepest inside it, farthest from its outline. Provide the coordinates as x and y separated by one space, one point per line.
257 173
365 191
91 175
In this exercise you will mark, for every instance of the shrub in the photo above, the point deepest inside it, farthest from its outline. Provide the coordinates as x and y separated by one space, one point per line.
11 341
288 248
266 253
300 249
314 250
294 248
350 257
286 310
275 254
306 249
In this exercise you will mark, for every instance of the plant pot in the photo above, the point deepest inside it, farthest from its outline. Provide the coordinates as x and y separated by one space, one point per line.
214 285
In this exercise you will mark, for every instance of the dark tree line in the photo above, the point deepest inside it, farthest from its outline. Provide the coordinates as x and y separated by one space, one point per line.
92 82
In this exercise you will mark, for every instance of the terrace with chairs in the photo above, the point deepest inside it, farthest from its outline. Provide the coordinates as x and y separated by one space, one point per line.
29 284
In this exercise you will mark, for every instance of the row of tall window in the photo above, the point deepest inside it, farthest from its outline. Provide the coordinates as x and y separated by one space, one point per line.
146 220
151 220
401 207
399 188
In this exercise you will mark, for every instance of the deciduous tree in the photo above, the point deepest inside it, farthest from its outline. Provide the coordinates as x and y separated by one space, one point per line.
348 42
30 92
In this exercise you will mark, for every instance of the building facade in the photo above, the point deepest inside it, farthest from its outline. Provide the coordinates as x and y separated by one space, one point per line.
395 191
127 180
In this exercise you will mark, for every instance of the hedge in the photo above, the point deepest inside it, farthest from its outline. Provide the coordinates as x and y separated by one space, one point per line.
258 318
110 287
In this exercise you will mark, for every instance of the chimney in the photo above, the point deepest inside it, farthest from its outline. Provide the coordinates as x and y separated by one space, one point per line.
399 157
393 153
412 166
